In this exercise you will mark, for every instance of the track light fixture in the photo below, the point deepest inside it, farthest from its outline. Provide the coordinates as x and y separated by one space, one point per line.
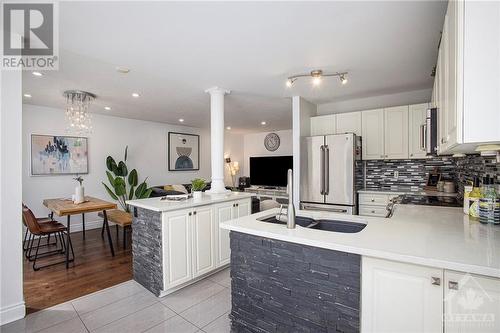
316 76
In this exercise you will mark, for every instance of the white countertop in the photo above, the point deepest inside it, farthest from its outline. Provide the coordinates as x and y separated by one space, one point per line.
157 205
432 236
436 193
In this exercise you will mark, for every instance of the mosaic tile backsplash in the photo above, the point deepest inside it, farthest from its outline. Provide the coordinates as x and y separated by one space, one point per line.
379 174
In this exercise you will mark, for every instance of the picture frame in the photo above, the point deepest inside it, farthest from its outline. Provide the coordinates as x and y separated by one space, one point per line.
183 152
52 155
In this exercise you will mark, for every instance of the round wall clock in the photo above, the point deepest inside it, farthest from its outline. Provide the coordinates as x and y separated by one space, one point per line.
272 141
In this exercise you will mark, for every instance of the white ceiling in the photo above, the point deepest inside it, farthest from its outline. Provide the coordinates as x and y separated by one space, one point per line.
177 50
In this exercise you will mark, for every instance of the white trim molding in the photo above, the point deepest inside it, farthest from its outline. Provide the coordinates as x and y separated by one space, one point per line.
12 313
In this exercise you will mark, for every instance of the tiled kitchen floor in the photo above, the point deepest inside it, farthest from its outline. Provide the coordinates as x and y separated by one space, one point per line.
128 307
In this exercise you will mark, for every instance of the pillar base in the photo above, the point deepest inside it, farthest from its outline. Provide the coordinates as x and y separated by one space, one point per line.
217 187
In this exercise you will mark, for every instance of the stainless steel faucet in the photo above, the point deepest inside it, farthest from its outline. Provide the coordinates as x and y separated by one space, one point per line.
290 223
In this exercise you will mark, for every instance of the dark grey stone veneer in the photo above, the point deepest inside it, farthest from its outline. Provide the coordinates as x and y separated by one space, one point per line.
285 287
147 249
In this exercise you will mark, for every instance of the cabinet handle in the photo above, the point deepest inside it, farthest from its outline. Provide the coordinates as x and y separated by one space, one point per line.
190 214
373 212
237 205
372 200
435 281
411 155
382 156
452 285
194 213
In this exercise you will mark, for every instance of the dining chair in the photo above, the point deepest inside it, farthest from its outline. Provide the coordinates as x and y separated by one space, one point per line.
27 236
39 230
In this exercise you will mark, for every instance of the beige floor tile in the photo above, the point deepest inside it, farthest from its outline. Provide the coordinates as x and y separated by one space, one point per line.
74 325
223 277
219 325
191 295
210 309
176 324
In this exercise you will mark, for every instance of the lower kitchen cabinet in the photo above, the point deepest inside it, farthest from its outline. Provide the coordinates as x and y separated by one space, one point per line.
371 204
399 297
203 240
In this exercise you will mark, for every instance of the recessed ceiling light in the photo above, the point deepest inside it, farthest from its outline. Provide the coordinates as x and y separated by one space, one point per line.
123 70
263 123
135 95
181 120
27 95
228 128
37 74
107 108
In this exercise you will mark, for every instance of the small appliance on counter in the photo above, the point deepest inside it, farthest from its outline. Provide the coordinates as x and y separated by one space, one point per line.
244 182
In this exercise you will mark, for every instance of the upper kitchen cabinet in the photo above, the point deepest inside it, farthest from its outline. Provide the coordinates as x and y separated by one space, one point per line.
372 132
396 132
468 76
416 137
348 123
323 125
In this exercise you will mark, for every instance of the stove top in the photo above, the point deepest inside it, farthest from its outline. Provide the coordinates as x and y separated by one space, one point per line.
430 200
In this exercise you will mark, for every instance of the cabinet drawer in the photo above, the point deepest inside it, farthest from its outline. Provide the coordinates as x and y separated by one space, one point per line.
374 199
379 211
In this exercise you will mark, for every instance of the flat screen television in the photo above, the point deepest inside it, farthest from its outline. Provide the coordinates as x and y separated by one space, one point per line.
270 170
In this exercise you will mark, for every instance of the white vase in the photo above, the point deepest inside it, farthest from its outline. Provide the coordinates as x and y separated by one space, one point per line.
197 194
79 194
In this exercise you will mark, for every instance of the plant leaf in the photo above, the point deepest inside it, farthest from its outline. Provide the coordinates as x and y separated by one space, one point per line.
131 195
140 190
133 178
110 178
126 153
119 186
146 194
110 164
111 194
122 169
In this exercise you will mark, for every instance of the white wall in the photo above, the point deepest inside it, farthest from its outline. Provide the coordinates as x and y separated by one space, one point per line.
11 269
147 152
359 104
253 145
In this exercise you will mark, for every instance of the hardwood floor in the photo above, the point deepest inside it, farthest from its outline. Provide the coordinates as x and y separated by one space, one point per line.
94 269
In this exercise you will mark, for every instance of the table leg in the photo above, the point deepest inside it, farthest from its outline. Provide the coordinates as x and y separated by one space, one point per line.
106 224
68 240
83 225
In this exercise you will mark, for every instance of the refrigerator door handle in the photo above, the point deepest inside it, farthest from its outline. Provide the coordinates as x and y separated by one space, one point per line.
322 170
327 170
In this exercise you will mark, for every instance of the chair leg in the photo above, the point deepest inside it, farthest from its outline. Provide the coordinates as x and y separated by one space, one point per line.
48 239
102 230
117 237
31 246
71 247
24 239
83 225
36 255
124 237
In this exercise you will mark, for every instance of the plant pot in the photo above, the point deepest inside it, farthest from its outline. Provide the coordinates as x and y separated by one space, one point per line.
79 194
197 194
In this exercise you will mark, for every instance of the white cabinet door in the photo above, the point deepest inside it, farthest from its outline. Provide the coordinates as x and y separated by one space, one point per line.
471 303
223 212
396 132
372 123
203 240
443 89
348 123
177 248
397 297
244 207
323 125
416 135
451 74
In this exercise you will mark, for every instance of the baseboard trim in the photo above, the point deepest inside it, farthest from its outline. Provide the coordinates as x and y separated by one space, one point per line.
12 313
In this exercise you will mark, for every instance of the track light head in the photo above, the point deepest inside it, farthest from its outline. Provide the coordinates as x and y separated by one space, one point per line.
290 82
343 79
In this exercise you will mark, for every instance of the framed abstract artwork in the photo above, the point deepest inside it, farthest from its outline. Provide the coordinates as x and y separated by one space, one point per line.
183 152
58 155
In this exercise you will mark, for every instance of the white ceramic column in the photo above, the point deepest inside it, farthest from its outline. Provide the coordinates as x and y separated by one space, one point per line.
217 138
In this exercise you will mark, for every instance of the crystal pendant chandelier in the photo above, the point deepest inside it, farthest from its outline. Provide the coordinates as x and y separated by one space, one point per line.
77 115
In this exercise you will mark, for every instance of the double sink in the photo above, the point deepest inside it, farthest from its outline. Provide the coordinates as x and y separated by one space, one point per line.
320 224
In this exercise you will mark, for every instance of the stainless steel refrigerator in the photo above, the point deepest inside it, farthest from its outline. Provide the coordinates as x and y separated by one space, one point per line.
328 172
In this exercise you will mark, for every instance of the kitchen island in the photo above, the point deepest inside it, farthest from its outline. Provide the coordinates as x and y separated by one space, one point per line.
418 261
175 243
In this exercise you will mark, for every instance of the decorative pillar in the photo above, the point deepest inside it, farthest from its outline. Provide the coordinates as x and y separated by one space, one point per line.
217 138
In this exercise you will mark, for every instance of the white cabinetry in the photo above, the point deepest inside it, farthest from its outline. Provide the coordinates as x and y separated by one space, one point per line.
396 132
348 123
177 247
203 240
372 123
467 77
416 135
399 297
471 303
375 204
323 125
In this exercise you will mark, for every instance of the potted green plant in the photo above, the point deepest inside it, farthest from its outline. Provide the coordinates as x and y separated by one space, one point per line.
118 177
197 186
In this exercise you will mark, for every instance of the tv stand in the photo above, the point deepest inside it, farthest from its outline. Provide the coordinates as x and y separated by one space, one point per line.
266 193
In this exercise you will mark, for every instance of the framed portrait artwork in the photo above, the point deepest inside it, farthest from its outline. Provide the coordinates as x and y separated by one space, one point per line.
58 155
183 152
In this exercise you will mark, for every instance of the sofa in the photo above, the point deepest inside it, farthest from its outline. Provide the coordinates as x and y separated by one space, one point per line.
173 189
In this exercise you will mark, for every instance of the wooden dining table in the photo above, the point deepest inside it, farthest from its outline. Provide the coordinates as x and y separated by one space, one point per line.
66 207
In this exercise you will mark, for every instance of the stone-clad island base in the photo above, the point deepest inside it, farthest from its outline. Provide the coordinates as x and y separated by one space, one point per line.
279 286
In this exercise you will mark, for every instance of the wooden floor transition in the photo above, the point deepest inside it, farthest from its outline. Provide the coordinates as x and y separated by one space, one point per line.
94 269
